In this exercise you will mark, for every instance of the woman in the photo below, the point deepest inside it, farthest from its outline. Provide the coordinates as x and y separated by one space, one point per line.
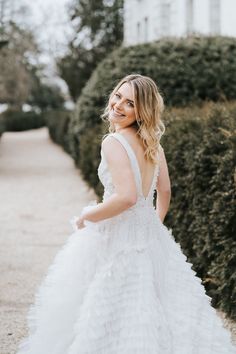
121 284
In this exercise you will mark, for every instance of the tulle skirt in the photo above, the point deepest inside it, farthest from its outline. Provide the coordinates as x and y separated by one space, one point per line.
123 286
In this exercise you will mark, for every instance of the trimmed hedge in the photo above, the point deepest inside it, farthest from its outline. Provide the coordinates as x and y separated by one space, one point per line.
2 125
187 70
201 155
58 124
14 121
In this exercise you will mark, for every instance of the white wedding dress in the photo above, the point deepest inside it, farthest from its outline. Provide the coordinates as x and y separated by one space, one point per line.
123 286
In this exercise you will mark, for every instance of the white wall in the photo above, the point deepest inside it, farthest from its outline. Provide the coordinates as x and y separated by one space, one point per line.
201 22
175 24
228 18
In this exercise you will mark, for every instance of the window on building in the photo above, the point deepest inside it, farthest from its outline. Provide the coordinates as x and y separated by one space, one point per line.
146 29
189 16
165 19
214 12
138 32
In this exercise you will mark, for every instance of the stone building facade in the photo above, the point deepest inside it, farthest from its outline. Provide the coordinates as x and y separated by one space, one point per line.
149 20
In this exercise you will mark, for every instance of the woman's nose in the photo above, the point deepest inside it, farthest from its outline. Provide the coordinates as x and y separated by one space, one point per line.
119 104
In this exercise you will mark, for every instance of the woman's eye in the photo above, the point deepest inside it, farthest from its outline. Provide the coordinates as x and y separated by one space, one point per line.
130 104
117 95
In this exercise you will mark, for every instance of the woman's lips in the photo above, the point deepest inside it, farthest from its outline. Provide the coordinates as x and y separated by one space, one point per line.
116 114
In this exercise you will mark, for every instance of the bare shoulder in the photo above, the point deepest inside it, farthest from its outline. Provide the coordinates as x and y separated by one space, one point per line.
113 150
161 151
134 141
109 143
131 136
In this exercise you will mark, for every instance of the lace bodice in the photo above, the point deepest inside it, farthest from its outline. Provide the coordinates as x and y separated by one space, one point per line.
106 179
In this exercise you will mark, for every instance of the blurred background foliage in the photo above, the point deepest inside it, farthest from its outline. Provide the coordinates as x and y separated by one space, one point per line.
98 29
22 82
200 147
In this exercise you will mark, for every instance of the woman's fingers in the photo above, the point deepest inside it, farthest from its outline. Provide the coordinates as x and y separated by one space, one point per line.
80 223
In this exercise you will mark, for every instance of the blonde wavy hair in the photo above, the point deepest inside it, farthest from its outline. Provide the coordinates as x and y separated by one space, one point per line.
148 107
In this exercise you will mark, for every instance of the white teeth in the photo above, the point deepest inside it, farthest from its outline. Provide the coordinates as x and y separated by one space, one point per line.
118 114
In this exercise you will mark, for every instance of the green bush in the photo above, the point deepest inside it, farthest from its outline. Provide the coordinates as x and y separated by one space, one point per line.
2 125
15 121
58 123
188 70
201 157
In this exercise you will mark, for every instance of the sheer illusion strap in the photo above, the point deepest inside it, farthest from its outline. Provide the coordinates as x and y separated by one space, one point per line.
133 160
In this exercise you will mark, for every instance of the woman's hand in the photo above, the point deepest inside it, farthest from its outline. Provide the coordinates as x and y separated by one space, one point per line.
80 222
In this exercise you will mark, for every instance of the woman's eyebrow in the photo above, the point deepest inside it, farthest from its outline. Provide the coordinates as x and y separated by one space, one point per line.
127 99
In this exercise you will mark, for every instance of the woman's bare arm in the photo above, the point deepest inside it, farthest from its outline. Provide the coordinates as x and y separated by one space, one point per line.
163 187
125 194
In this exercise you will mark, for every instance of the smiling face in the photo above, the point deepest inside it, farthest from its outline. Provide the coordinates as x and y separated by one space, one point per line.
122 112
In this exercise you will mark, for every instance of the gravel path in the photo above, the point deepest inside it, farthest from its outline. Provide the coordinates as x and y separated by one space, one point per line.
40 191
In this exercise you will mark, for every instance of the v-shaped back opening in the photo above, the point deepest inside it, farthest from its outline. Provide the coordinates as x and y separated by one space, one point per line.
138 167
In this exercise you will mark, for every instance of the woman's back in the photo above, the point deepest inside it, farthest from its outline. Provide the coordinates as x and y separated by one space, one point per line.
146 168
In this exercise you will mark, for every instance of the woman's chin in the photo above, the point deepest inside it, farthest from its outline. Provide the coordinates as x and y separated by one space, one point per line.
113 119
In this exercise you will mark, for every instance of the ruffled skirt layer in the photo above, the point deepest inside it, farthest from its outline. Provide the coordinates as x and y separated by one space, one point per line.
123 286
